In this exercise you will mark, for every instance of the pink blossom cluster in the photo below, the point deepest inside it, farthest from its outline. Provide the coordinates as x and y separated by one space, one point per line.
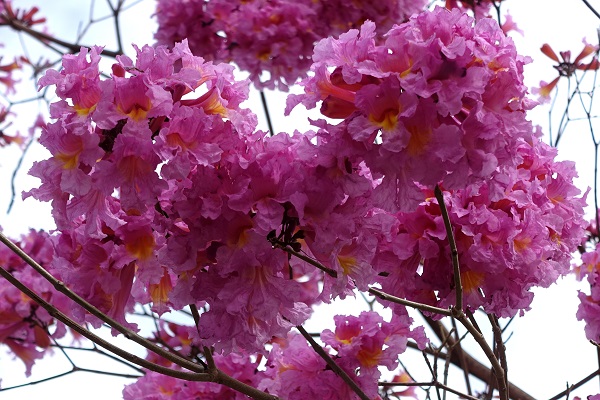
442 99
293 370
505 247
366 342
271 39
360 345
164 194
442 102
25 327
589 307
183 339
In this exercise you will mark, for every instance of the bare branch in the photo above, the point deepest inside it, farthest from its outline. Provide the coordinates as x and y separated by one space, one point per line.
419 306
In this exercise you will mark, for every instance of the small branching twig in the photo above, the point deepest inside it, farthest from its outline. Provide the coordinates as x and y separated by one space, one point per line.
419 306
263 100
45 39
570 388
592 9
307 259
499 344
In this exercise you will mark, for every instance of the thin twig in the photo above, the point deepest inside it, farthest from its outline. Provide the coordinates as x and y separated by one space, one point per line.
430 384
476 368
500 347
50 378
480 339
457 311
576 385
453 251
592 9
96 339
44 38
217 376
461 355
13 177
419 306
314 263
263 100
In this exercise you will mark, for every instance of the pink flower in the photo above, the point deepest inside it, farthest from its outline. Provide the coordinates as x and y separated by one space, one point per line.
367 342
431 92
566 67
273 40
295 372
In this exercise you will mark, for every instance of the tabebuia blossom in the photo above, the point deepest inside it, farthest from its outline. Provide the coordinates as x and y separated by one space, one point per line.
25 327
161 387
589 307
292 370
164 193
505 247
366 342
440 99
272 40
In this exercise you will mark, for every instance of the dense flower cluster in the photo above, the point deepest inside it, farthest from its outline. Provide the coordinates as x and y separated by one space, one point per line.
442 102
441 99
366 342
293 370
25 327
589 307
274 39
164 193
505 246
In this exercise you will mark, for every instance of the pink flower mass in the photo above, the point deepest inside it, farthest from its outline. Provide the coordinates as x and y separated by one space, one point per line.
165 193
271 39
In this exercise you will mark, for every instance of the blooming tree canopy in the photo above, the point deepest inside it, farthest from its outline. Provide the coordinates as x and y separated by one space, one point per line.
422 183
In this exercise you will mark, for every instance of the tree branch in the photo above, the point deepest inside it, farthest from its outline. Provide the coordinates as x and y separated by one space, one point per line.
419 306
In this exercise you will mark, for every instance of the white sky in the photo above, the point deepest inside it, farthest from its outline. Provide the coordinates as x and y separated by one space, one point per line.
548 347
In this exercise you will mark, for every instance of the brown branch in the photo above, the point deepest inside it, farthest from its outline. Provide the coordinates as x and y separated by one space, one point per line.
216 375
435 384
480 339
458 312
592 9
499 344
96 339
461 353
576 385
418 306
453 250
